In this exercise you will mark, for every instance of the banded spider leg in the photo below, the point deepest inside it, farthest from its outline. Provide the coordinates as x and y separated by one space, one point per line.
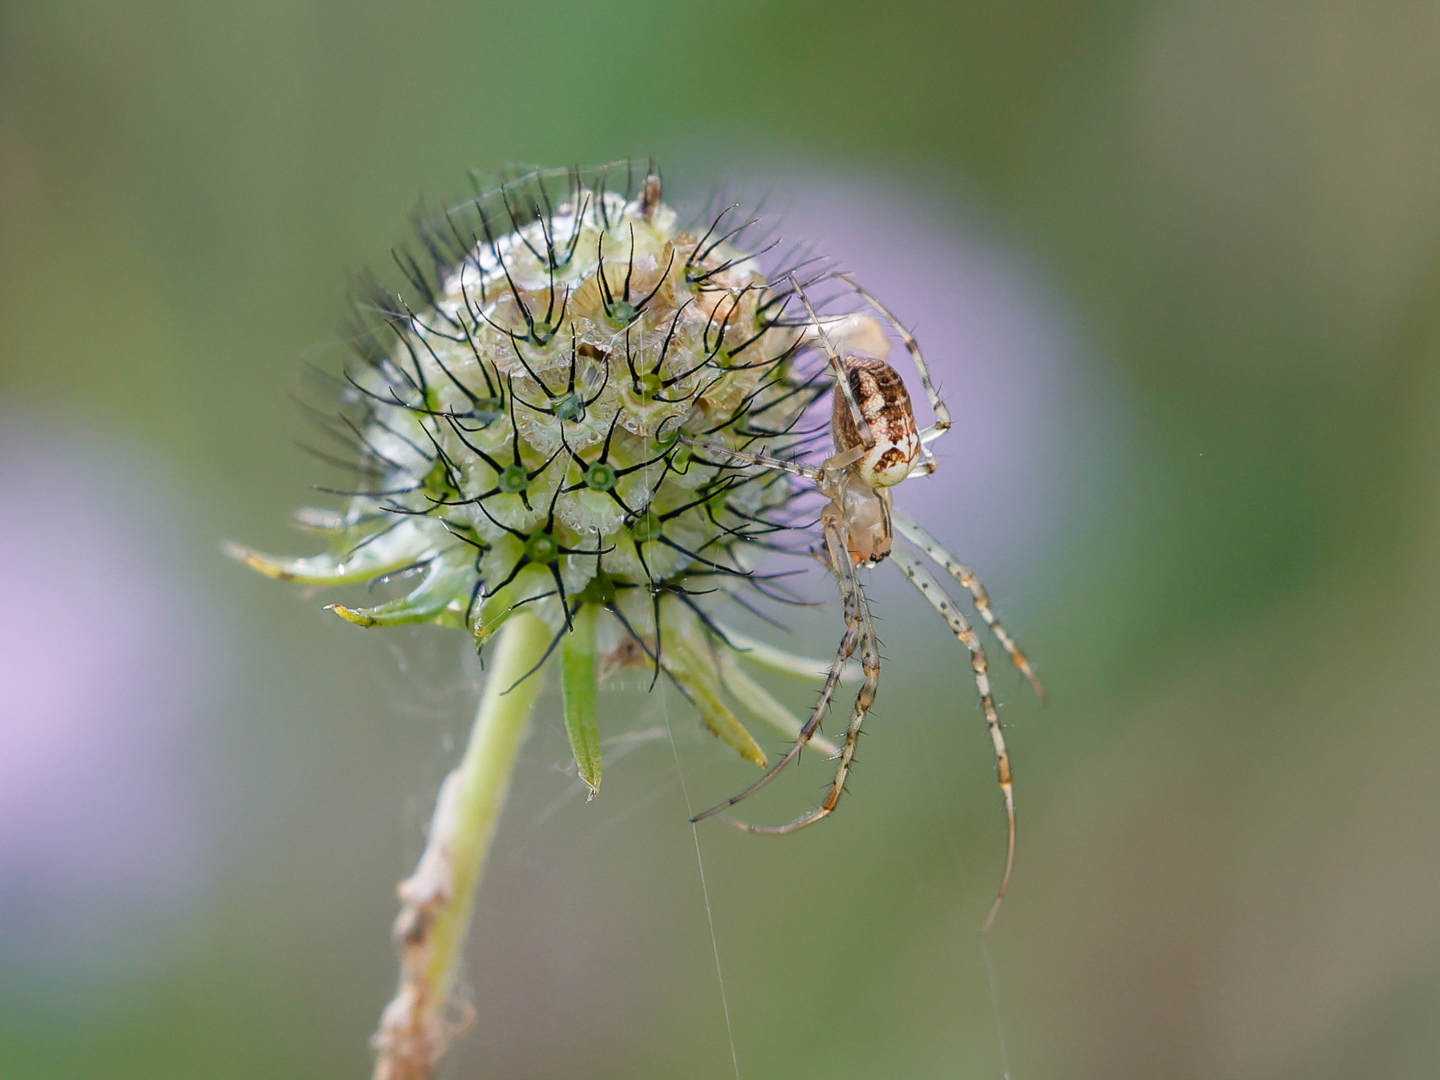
859 633
877 446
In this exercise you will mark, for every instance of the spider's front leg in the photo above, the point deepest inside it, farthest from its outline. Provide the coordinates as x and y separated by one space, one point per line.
844 391
794 468
826 477
859 632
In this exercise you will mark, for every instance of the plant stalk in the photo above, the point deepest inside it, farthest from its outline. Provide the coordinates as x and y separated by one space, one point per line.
437 899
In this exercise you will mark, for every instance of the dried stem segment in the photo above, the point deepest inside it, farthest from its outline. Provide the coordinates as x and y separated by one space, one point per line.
438 897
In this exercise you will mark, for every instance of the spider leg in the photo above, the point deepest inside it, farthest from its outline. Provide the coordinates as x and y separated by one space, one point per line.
854 333
929 588
795 468
870 662
826 473
842 377
859 631
913 531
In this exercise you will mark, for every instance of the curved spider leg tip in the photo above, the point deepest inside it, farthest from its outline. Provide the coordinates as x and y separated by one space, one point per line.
712 812
743 826
1009 861
990 919
1022 662
776 830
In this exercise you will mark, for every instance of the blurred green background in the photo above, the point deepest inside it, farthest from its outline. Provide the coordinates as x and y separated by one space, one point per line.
1230 825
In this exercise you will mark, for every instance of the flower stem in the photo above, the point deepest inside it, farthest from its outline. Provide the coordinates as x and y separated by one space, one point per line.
438 897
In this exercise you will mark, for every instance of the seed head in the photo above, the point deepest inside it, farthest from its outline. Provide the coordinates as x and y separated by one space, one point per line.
515 425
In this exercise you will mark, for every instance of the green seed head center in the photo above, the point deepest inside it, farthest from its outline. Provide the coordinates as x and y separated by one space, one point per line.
600 476
514 480
570 408
437 480
487 409
542 548
621 313
645 528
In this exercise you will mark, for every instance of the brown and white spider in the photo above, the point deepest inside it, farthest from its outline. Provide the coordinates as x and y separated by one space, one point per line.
877 445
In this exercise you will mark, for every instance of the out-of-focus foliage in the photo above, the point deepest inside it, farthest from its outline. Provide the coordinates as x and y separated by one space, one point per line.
1229 844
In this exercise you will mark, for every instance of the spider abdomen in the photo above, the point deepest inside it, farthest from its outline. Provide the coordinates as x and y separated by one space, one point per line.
885 406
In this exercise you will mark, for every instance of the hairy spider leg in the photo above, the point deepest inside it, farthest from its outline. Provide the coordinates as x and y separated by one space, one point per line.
913 531
858 629
911 566
858 332
821 476
794 468
837 366
870 664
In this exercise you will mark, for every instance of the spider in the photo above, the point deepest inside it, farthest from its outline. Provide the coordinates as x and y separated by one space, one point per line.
877 445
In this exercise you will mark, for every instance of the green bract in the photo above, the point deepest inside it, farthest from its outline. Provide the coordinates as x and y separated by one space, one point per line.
515 426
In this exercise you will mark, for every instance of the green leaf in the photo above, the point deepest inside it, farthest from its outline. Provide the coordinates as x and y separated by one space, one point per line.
764 655
444 582
396 548
762 705
581 686
689 664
